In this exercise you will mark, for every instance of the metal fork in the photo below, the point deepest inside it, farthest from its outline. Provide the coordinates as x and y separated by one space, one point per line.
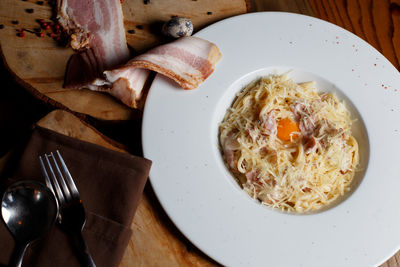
72 213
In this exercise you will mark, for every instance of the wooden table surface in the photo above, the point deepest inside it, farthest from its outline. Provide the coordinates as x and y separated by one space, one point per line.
376 21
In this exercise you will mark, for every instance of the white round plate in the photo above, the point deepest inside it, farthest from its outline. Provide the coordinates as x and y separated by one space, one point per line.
180 136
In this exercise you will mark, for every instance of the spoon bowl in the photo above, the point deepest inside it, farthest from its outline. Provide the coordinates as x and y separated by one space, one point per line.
29 210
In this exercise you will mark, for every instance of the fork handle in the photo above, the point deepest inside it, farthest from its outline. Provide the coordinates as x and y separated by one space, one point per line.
82 250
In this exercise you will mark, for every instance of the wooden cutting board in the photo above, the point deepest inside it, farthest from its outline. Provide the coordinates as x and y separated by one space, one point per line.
38 63
155 240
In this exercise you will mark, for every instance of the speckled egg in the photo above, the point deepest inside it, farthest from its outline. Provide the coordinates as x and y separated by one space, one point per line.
178 27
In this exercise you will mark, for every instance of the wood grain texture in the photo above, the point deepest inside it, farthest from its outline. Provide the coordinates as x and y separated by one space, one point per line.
155 240
294 6
38 63
376 21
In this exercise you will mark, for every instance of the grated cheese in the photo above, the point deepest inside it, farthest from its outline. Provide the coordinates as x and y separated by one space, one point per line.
309 171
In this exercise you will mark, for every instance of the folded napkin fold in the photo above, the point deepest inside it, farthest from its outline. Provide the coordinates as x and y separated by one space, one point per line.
110 184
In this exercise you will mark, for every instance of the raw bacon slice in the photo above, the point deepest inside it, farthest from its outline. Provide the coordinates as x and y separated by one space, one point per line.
188 60
98 25
127 84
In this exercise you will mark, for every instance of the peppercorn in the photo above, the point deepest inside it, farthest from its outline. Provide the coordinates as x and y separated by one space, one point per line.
29 10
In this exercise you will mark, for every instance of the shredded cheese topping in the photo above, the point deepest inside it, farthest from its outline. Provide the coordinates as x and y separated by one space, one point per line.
289 146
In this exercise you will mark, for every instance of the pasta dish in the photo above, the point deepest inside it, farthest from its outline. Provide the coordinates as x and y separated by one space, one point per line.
289 146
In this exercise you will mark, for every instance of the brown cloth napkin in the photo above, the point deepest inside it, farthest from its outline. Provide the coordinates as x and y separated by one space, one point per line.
110 184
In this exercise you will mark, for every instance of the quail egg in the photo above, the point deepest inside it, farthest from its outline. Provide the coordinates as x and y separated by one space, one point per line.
178 27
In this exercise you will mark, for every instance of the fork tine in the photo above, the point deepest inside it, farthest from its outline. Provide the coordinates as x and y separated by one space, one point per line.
61 180
74 190
60 196
46 175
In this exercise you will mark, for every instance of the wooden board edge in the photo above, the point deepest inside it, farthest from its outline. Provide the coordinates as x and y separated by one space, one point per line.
35 92
248 5
87 124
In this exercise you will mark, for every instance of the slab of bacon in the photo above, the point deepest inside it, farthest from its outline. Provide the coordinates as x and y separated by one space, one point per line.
98 25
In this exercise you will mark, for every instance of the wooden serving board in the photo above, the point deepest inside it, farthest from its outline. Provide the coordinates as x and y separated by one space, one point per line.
155 240
38 63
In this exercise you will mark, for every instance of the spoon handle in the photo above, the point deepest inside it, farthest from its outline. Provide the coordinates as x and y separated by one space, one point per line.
80 245
18 254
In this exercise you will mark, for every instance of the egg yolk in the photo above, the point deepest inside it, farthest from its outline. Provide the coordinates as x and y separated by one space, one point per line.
286 128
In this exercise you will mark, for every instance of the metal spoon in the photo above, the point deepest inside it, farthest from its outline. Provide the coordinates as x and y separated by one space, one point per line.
29 210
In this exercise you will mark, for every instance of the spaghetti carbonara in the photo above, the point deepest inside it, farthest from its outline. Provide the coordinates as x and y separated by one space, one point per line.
289 146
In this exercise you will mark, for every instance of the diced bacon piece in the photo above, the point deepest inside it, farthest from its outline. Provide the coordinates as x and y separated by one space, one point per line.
231 159
307 126
229 146
188 60
269 123
298 110
310 145
252 176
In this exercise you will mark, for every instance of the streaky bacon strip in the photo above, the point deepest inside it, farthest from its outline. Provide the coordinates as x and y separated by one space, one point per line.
127 84
188 60
98 25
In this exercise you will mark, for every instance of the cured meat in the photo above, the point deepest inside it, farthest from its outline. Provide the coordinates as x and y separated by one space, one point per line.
127 84
96 29
188 60
98 25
